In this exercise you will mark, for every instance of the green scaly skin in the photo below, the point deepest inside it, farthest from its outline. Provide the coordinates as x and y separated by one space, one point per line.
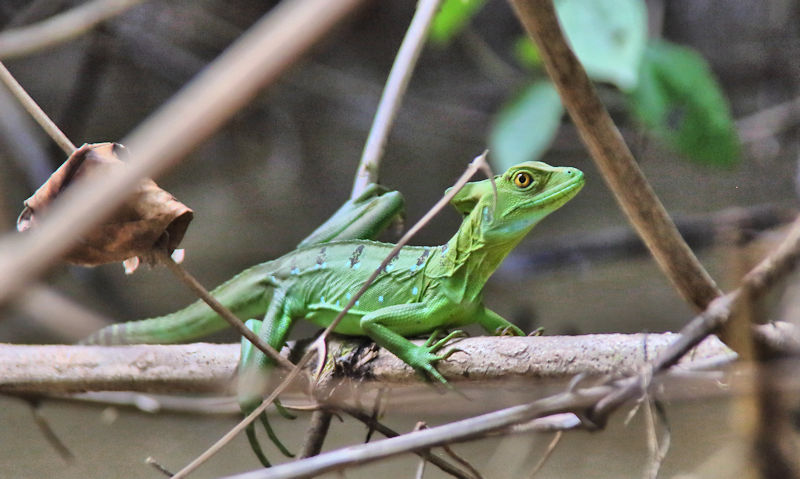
423 289
249 293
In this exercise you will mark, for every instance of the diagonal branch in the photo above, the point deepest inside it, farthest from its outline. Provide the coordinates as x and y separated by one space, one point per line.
60 28
257 59
35 111
393 93
612 156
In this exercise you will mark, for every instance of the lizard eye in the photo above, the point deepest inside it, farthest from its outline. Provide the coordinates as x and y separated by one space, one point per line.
523 179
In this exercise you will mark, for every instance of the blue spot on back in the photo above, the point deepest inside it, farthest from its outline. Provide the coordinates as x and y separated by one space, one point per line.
380 298
415 291
295 271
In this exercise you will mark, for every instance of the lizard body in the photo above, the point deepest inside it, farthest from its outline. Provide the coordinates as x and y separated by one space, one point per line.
422 289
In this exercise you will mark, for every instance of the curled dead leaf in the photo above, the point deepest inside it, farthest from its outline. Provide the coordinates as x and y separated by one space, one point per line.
150 222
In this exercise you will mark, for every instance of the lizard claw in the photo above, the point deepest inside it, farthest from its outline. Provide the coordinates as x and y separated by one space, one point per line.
509 330
453 334
537 332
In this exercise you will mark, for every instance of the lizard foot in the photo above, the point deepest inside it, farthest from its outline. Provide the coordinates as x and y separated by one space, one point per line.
421 358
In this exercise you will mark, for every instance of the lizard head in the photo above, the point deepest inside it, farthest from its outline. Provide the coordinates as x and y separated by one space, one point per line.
526 193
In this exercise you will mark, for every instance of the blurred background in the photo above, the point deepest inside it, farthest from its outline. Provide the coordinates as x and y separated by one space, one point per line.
287 160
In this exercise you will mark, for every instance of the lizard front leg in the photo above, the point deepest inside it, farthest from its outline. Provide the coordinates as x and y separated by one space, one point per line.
388 326
495 324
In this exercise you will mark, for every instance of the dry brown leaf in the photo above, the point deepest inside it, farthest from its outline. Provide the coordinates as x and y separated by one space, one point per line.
150 221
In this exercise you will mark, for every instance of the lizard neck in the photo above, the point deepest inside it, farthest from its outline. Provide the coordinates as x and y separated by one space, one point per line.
474 253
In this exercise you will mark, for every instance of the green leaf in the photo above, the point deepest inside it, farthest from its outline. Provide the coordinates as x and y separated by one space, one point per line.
526 126
527 53
678 98
452 18
607 36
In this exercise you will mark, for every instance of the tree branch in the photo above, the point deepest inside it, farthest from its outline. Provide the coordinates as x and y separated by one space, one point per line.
255 60
612 156
203 367
60 28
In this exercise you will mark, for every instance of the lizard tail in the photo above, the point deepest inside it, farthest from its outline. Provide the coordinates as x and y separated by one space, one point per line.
247 295
183 326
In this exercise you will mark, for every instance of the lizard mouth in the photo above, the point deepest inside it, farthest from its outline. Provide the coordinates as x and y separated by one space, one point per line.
569 188
561 192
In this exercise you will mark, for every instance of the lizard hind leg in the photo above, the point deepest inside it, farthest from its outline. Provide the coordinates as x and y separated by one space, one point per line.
252 381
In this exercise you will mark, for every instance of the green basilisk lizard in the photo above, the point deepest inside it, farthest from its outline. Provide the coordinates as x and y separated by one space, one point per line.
422 289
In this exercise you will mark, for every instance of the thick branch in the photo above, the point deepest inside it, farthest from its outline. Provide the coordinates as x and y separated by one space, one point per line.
612 156
203 367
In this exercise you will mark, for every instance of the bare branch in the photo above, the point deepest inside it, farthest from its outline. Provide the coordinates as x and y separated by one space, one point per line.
316 433
60 28
393 93
35 111
254 61
612 156
204 367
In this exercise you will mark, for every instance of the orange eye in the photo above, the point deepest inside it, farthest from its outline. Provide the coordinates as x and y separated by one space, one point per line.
523 179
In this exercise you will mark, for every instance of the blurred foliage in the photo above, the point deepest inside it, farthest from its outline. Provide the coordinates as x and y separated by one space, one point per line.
607 36
678 99
525 127
670 89
453 16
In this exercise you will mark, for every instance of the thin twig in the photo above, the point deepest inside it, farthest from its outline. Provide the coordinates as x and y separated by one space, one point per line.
393 93
428 456
230 435
316 433
157 466
222 311
460 460
35 111
451 433
551 447
60 28
51 437
612 156
420 425
657 449
257 59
